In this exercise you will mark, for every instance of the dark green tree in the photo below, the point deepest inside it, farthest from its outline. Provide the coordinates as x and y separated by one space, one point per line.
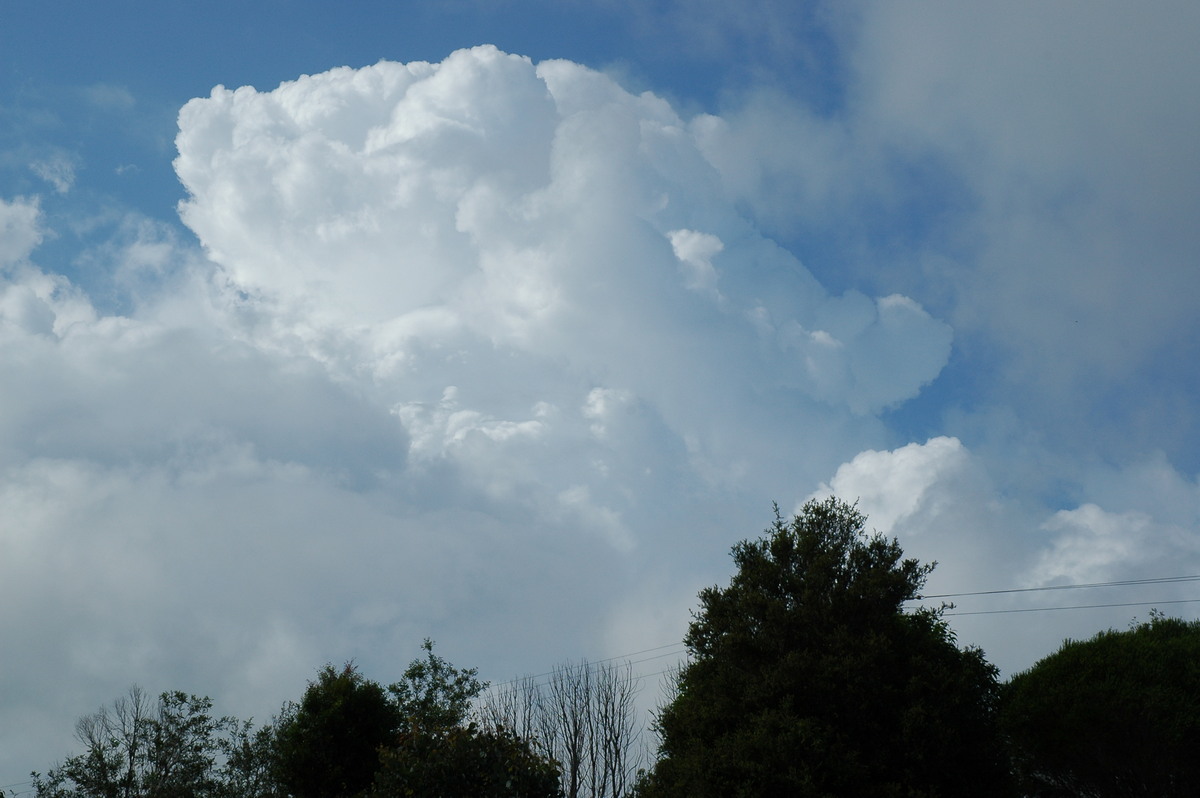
465 761
807 677
327 746
441 750
1116 715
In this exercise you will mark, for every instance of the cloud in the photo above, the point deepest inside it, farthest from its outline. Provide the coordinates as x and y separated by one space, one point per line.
470 350
1091 545
695 252
1140 520
1026 177
58 170
19 230
542 209
110 97
181 509
939 500
891 486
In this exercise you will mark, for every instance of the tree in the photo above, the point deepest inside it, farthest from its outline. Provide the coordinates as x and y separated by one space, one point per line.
434 693
347 737
250 768
327 746
583 716
806 677
1116 715
441 750
465 761
143 749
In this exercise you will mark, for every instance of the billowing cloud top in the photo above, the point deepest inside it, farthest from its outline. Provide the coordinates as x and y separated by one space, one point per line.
385 212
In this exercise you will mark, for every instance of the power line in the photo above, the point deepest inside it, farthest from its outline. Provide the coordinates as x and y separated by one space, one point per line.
536 679
1079 607
592 664
1118 583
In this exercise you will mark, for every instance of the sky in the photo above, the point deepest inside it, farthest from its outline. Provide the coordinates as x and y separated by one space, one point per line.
326 328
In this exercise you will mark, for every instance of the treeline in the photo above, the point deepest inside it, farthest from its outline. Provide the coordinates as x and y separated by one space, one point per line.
805 676
430 734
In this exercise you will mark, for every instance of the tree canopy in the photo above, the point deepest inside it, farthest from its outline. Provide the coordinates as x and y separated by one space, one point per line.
807 677
442 750
348 737
465 761
144 748
328 745
1116 715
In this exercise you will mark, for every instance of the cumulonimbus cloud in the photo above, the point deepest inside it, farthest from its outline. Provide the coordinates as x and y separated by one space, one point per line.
472 337
540 209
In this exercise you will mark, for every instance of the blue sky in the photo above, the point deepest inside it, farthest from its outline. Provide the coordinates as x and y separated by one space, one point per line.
508 347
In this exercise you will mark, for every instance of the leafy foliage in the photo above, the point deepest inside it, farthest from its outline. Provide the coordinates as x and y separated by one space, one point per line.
433 693
808 678
144 749
328 745
348 736
441 751
251 764
464 762
1116 715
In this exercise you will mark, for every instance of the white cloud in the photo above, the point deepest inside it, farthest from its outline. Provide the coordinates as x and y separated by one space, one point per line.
57 169
1091 545
891 486
601 406
19 230
695 251
939 500
1140 520
455 368
541 209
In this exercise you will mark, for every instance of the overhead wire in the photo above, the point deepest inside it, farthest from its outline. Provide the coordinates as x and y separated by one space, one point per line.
545 678
592 663
1157 580
1117 583
1076 607
541 679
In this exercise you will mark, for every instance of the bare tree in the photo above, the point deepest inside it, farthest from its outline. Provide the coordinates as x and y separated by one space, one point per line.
515 706
614 731
569 708
584 716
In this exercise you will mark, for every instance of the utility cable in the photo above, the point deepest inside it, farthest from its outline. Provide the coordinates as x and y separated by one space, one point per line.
1162 580
1079 607
536 679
